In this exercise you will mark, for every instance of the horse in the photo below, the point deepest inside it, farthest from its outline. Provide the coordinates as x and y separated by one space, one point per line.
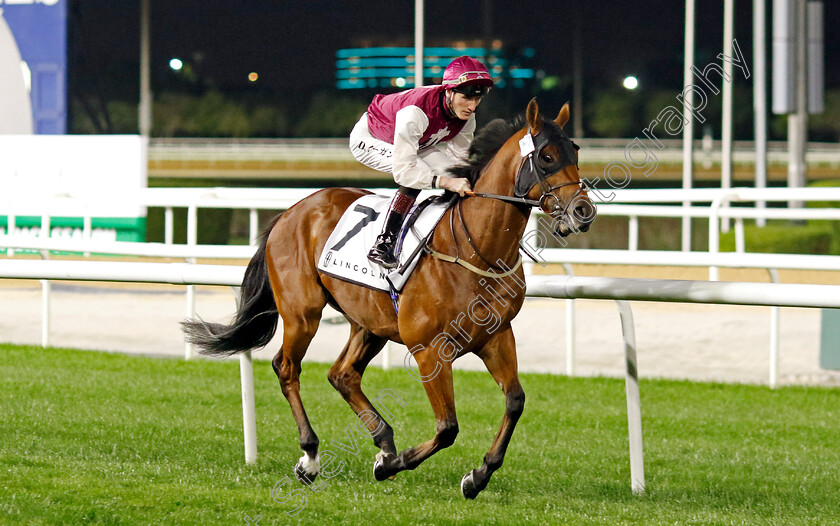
459 300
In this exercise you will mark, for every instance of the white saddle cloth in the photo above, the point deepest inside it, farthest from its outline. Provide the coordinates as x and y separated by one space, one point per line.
345 254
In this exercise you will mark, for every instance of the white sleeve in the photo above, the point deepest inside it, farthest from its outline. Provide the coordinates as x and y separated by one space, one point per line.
409 170
458 147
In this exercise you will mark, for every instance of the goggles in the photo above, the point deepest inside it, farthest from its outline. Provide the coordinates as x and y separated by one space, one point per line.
472 91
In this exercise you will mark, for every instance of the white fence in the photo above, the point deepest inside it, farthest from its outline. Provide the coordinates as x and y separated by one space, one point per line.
632 204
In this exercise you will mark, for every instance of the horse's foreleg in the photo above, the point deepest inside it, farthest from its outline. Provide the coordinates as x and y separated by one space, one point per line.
286 364
499 356
346 376
437 376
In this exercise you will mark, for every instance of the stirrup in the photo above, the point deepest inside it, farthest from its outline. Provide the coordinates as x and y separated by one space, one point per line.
382 252
383 255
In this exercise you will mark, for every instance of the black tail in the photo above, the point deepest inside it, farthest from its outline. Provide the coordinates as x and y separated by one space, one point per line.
256 319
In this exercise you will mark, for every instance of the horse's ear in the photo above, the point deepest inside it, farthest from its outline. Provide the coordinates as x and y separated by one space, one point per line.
563 116
532 115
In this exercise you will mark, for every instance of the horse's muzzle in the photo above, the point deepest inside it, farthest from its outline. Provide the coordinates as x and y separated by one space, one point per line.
583 213
576 217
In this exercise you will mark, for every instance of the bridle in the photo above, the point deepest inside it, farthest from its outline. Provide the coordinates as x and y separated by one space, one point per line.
530 173
534 171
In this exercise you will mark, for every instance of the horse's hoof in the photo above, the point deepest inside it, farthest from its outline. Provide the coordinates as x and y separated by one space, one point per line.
304 469
303 476
379 472
468 489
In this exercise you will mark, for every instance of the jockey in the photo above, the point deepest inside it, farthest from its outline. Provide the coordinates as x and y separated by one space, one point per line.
416 135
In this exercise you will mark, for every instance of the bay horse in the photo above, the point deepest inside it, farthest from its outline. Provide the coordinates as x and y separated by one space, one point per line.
514 165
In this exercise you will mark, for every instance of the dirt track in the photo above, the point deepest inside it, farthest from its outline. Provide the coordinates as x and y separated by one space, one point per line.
700 342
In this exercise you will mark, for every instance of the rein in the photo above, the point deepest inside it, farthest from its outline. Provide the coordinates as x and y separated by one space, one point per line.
508 199
532 203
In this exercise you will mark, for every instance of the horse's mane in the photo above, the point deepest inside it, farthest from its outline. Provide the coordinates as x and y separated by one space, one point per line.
487 142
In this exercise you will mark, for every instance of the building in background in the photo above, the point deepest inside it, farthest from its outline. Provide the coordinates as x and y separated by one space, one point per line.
378 65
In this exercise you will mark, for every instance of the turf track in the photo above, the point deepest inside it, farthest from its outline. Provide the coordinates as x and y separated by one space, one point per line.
94 438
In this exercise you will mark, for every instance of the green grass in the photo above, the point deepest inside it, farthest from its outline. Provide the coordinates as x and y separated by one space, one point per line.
96 438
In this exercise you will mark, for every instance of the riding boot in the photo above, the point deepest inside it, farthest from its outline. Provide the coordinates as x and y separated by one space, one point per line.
382 252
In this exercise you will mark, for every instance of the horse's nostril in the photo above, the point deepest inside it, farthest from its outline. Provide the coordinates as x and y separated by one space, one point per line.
583 213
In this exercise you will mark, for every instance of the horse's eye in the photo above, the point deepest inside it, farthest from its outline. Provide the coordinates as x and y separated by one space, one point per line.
547 158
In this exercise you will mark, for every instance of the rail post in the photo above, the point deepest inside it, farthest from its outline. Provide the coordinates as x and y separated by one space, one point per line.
249 412
46 287
774 336
634 404
714 228
192 240
570 328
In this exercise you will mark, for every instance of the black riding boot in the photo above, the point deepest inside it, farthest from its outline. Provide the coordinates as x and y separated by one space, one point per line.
382 252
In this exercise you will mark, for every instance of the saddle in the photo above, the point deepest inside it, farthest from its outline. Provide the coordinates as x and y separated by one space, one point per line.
345 254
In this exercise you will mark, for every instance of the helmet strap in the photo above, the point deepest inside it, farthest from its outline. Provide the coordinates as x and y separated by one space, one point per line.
447 103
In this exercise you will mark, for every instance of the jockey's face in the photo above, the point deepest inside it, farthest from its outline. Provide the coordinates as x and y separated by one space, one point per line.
462 106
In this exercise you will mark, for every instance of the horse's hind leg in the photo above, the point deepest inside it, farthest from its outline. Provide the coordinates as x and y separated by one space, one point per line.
499 356
298 331
346 376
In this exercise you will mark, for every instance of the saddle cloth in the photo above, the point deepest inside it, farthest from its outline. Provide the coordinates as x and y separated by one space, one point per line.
345 254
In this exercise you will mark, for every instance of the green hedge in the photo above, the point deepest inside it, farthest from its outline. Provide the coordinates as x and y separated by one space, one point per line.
788 237
782 237
214 225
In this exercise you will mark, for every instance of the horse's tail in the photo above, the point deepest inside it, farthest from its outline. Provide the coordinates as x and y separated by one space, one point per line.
256 318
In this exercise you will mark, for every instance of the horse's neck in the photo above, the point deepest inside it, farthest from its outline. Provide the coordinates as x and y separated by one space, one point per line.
496 226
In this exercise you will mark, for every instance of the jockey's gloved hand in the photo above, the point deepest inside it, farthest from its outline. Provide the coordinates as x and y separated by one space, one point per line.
459 185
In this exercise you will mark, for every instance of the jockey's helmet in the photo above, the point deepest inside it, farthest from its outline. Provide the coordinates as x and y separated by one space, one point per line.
468 76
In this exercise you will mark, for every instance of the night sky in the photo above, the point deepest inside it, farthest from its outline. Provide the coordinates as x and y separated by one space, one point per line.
292 44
